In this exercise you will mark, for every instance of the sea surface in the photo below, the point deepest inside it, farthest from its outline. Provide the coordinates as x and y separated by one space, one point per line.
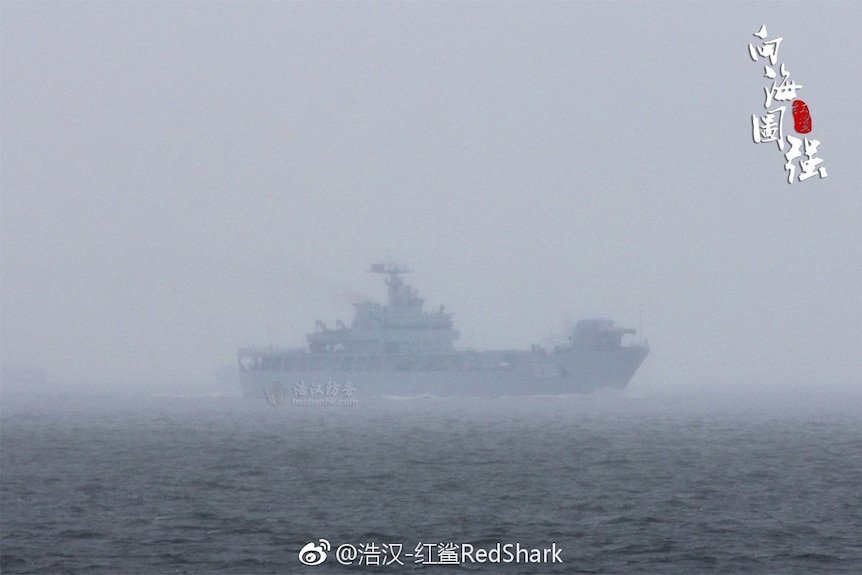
615 483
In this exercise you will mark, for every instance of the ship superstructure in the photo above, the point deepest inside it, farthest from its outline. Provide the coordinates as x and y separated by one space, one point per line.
401 326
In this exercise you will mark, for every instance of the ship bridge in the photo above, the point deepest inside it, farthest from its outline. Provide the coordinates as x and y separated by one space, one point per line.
401 326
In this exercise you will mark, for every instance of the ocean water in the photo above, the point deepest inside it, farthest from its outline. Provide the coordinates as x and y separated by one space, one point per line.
612 483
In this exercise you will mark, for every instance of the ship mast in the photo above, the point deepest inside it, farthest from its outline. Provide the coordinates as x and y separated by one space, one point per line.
400 294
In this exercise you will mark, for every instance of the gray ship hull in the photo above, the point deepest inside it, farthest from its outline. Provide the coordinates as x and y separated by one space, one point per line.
279 376
399 349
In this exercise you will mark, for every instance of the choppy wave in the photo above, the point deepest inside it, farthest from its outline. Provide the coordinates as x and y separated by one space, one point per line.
223 485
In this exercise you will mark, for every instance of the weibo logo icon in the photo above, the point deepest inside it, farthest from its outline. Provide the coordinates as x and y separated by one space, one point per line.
314 554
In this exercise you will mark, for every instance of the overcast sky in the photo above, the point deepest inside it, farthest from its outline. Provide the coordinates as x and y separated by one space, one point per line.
182 179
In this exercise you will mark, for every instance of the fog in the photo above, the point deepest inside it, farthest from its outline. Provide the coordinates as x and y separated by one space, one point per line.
183 179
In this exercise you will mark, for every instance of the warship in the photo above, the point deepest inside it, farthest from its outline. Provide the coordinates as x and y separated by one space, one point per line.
399 349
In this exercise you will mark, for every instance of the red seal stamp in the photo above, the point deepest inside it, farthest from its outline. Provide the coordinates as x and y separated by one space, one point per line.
801 117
